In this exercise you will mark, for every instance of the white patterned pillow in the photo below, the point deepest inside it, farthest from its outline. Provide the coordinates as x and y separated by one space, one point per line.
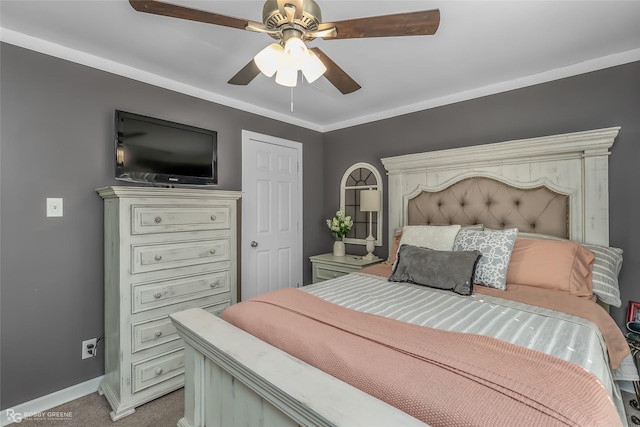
496 247
437 237
606 268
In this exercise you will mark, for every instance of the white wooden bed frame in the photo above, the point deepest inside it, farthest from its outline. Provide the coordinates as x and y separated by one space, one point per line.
233 378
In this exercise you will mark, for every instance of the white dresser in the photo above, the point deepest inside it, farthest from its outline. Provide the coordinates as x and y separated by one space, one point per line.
166 250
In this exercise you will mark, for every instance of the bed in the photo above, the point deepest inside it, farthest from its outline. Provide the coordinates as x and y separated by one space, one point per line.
554 190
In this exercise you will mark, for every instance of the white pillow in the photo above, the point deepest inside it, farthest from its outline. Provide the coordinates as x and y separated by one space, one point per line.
437 237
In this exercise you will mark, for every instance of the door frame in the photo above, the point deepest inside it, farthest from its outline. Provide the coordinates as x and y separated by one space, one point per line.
244 246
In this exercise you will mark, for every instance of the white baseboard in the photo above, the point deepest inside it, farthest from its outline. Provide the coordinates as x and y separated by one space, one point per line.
44 403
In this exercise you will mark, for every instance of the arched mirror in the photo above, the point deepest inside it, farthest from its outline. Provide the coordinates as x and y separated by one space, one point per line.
358 177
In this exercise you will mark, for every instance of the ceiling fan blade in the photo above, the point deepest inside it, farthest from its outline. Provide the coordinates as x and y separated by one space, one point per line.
329 32
156 7
336 75
423 23
246 75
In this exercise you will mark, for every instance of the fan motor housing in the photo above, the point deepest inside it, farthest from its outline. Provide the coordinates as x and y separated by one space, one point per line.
274 20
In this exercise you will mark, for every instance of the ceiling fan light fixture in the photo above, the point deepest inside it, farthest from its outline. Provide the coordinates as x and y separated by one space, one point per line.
287 75
312 67
295 50
293 23
268 60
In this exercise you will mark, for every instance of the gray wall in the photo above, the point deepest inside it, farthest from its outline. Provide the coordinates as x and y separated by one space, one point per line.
56 135
56 142
595 100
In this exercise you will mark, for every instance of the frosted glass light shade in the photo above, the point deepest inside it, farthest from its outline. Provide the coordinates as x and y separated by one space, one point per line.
269 59
370 201
312 67
285 62
287 76
296 51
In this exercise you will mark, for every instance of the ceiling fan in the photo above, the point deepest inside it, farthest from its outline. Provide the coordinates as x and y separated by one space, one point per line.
294 23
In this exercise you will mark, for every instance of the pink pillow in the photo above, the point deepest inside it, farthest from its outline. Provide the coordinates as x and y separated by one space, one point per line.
550 264
397 236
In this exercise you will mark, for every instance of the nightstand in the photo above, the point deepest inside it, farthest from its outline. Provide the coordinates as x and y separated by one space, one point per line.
327 266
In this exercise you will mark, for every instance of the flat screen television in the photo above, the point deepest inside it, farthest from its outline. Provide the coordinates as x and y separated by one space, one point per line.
152 150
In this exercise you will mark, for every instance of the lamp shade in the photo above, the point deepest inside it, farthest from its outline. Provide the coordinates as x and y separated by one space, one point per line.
287 76
370 200
296 50
269 59
312 67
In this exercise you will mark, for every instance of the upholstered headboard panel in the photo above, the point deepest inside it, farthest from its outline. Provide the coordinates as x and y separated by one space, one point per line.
573 165
495 204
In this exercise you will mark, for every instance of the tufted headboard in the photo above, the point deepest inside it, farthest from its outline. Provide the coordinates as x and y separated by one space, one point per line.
555 184
493 203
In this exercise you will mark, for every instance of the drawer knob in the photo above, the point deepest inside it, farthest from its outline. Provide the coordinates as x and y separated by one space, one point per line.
158 257
159 371
213 217
212 251
158 295
158 334
158 220
214 284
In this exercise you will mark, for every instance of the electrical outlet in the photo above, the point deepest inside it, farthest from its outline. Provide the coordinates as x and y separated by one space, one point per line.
88 347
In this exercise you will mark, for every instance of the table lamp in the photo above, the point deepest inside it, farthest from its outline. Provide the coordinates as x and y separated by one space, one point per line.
370 202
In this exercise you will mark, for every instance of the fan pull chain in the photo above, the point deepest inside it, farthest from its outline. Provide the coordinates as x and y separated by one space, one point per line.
292 99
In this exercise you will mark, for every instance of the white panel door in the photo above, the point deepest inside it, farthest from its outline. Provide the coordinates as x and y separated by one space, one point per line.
271 214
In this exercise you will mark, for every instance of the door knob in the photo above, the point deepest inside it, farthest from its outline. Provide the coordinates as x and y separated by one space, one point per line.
254 244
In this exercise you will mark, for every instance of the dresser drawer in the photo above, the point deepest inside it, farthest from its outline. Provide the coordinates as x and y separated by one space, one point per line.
146 258
159 331
152 333
168 219
160 294
153 371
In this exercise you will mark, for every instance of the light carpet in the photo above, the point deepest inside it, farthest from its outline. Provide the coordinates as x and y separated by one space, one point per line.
93 411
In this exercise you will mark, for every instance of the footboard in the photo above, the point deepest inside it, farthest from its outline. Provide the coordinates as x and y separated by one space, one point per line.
233 378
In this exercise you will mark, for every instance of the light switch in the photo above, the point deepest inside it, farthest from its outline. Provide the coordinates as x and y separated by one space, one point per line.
54 206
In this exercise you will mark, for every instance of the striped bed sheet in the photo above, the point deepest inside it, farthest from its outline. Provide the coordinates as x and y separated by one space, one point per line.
558 334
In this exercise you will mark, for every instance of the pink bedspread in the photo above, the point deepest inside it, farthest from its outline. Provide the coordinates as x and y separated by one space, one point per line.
443 378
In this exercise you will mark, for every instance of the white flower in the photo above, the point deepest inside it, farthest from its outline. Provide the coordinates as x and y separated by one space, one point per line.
340 225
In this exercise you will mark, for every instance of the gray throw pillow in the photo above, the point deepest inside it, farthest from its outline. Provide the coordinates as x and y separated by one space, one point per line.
437 269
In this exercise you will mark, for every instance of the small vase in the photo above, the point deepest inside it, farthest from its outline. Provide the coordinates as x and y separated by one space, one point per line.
338 248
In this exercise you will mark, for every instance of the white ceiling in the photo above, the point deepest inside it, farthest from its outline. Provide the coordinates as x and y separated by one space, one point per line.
481 47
